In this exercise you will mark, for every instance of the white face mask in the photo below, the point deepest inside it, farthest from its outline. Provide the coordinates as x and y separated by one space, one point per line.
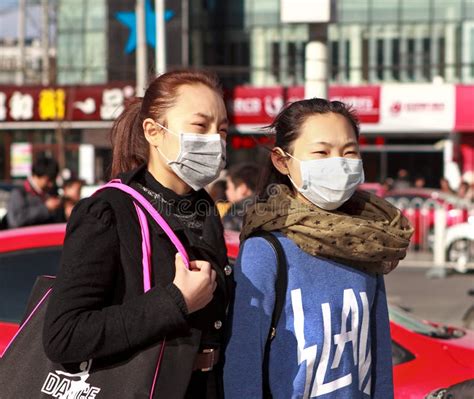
200 160
330 182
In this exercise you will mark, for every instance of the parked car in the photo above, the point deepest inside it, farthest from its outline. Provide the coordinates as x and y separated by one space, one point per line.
428 355
425 355
419 204
460 244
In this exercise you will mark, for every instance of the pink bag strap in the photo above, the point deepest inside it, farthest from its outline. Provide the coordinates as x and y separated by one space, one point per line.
146 246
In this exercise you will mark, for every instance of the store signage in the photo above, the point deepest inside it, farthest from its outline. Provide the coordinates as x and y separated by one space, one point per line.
305 11
464 109
21 158
255 107
71 103
417 107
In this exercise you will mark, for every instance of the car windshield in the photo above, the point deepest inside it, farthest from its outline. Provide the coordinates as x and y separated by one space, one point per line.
18 273
411 323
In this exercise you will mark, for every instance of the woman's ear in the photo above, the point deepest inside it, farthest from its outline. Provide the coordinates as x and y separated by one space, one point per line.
280 160
152 131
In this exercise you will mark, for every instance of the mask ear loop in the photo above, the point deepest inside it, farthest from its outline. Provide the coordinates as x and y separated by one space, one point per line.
158 149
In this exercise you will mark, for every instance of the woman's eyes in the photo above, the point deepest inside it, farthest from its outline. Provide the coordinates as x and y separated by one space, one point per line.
351 153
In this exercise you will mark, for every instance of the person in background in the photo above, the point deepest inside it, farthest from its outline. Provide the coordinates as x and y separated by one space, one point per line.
217 192
463 189
444 186
241 185
35 202
71 196
402 181
420 182
387 184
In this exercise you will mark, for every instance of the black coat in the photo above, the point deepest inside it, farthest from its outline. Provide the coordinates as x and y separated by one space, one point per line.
98 308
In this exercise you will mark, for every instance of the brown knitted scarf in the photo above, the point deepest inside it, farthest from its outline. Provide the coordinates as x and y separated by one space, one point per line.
367 232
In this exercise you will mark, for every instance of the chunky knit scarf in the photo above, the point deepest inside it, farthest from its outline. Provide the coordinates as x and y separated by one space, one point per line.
367 232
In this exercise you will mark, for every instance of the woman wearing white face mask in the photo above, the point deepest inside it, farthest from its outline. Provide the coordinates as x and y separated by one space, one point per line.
167 146
332 338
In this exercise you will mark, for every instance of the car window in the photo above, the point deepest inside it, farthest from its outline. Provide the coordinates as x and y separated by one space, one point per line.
18 273
400 354
410 322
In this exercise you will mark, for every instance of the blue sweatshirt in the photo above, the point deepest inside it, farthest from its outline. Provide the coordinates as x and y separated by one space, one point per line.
333 337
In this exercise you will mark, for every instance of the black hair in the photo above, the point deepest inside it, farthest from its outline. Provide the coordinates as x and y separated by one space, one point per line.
45 166
246 173
287 128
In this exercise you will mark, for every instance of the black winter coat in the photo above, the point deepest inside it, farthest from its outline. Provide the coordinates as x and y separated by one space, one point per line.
98 309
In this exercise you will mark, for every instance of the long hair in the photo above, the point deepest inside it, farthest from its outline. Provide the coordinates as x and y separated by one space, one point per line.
130 149
287 128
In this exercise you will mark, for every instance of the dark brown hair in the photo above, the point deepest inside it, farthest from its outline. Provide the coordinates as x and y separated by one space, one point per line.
130 149
287 128
246 173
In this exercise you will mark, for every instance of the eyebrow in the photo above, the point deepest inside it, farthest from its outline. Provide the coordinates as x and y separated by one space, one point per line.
209 117
348 144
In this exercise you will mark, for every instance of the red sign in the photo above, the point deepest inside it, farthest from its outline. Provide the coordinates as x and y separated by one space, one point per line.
71 103
464 121
364 99
254 106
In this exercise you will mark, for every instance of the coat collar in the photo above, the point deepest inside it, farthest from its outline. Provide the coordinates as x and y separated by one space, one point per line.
207 239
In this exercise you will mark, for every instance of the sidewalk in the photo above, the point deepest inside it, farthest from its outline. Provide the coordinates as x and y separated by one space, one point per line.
425 260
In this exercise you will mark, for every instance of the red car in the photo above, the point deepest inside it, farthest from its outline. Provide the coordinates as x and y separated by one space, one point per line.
418 205
426 356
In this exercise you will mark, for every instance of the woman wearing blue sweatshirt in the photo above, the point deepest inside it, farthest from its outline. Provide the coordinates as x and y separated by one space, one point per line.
333 338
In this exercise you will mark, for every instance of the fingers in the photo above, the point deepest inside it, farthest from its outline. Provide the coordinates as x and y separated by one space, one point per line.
179 262
201 265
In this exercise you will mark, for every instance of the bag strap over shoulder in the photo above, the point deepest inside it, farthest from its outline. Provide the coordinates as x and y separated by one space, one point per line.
281 284
146 246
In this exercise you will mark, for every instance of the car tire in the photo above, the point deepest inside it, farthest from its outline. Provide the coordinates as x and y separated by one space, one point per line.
460 252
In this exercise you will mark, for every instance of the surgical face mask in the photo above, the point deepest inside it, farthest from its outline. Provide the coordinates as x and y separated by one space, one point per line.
200 160
330 182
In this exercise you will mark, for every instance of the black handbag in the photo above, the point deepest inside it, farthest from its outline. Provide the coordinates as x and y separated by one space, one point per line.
27 373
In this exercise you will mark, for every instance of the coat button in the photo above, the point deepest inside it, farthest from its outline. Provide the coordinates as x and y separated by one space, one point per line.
228 270
218 325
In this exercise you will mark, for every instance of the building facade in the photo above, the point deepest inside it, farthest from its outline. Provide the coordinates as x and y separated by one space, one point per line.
406 65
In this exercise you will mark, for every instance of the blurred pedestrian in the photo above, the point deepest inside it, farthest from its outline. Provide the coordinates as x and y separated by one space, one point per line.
71 196
402 181
337 242
241 186
463 189
168 146
217 192
36 202
445 186
387 184
420 182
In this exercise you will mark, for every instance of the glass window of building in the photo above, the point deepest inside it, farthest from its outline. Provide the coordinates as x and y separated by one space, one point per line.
81 41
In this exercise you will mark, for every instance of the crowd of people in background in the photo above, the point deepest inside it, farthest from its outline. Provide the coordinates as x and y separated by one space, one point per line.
403 181
45 197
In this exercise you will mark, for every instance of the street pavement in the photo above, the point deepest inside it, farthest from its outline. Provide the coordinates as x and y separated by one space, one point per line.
437 299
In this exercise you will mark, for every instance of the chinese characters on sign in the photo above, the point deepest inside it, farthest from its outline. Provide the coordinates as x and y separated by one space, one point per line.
74 103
